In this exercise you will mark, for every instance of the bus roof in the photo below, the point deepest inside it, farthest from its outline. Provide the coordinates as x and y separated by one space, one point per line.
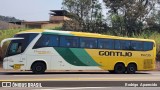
32 31
83 34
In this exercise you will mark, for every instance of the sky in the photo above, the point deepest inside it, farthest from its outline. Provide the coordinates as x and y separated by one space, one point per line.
30 10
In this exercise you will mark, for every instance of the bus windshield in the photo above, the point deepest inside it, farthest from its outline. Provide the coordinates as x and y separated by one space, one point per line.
19 46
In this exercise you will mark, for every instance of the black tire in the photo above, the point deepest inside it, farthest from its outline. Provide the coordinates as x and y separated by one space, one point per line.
38 68
131 69
111 71
119 68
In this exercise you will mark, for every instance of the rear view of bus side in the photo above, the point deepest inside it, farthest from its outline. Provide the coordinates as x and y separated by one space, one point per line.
41 50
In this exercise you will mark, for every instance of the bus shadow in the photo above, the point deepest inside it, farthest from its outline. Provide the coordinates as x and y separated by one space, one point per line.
50 73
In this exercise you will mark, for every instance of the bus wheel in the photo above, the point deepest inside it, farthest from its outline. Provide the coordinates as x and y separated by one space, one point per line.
38 67
131 68
119 68
111 71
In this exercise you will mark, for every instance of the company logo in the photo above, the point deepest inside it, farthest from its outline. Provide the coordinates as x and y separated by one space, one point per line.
21 84
112 53
6 84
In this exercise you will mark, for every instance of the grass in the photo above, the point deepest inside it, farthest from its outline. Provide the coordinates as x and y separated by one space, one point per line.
55 28
8 34
149 35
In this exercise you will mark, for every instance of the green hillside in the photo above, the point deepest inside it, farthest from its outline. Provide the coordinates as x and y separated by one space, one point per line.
9 19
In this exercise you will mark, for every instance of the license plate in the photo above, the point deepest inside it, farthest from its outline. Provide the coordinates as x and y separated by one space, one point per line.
17 66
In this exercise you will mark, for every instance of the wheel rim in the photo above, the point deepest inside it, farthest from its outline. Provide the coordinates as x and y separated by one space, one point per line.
132 69
120 69
38 68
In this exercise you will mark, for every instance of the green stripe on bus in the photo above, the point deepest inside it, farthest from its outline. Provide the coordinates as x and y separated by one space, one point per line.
69 56
54 33
84 57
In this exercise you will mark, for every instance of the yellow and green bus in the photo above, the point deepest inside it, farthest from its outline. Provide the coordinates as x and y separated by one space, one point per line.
41 50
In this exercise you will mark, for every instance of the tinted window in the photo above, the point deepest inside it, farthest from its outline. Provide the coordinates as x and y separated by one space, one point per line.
15 47
68 41
148 46
125 45
137 45
19 46
88 43
117 45
31 37
105 44
47 41
27 37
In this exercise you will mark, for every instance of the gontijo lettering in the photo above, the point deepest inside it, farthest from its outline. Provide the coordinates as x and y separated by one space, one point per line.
112 53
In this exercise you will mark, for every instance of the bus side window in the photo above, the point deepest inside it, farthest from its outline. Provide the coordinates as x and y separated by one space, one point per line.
47 41
133 46
137 45
105 44
148 46
125 45
69 41
117 45
88 43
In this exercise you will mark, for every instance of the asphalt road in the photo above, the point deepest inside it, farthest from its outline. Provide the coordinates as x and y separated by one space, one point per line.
78 76
83 80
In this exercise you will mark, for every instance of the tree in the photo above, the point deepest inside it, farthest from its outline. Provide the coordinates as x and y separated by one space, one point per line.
86 15
117 24
153 22
132 12
9 19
